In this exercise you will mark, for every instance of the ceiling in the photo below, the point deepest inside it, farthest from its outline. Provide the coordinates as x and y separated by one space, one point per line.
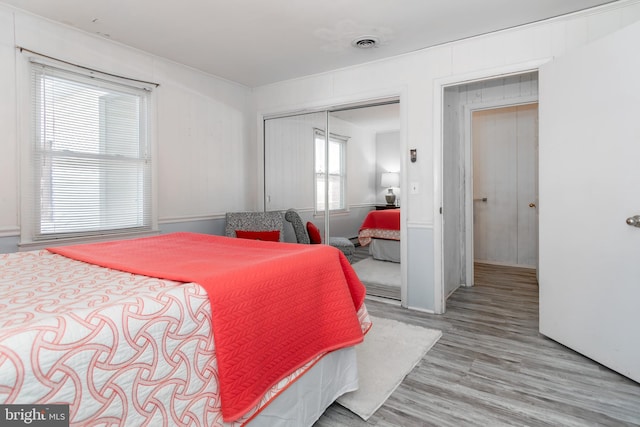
257 42
377 118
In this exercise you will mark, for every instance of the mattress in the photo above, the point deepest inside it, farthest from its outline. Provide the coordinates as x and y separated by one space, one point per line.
385 250
120 348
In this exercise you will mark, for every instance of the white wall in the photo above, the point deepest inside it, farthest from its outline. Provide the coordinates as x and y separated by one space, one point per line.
289 160
413 77
388 155
9 190
362 156
201 125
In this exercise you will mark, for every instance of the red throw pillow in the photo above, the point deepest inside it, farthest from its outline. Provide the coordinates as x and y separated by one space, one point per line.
268 236
314 233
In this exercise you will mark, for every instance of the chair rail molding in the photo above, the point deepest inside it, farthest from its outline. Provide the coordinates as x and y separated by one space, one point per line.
9 231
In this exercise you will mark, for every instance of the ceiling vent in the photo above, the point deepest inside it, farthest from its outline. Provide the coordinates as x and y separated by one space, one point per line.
365 42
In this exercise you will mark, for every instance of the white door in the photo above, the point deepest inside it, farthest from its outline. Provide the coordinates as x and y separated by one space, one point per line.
589 185
504 185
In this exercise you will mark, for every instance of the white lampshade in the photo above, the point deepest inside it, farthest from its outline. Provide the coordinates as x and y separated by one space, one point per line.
390 179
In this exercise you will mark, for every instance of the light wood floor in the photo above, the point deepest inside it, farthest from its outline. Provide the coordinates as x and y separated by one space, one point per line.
373 289
492 368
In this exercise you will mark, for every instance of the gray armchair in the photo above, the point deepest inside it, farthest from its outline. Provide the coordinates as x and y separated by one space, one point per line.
300 230
254 221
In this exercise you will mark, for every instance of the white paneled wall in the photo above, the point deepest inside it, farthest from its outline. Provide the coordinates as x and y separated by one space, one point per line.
9 190
362 156
453 193
202 146
500 89
289 159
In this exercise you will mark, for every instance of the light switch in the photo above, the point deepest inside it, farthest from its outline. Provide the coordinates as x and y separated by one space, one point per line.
414 188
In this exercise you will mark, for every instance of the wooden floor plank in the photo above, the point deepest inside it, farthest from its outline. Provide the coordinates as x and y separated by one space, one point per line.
493 368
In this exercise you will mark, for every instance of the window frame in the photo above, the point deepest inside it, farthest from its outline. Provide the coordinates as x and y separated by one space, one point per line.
320 135
31 236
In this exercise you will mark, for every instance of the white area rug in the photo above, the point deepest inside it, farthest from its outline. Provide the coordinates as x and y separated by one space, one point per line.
390 350
371 270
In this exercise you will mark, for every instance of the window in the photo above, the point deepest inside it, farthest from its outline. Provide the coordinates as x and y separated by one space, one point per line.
336 171
91 158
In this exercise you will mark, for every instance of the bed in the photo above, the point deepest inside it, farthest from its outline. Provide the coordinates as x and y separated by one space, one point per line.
380 230
180 329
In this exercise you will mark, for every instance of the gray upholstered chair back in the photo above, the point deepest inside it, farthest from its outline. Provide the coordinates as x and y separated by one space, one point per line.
254 221
299 227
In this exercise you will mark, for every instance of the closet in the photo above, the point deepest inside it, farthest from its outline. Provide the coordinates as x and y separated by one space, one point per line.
505 143
325 164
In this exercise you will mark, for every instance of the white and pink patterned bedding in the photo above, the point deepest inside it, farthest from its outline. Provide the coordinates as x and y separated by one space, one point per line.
122 349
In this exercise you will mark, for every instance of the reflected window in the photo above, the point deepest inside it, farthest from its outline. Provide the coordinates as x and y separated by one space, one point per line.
336 169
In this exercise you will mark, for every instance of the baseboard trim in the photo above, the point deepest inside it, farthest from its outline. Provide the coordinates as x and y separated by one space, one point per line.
504 264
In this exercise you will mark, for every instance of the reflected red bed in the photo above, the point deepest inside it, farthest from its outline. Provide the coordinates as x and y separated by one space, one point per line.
382 224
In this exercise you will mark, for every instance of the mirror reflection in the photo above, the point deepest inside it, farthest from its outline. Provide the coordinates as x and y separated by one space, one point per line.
335 168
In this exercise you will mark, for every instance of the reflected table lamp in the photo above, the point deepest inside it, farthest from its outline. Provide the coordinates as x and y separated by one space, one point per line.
390 180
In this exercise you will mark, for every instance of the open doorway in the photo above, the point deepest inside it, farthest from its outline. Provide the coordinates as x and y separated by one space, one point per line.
491 101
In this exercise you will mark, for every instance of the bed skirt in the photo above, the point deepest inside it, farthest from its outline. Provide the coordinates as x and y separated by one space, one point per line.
304 401
385 250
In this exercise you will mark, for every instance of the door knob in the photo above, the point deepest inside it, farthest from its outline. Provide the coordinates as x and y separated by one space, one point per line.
532 205
634 221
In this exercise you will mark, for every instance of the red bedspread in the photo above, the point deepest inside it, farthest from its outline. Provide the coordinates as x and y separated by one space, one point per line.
388 219
384 224
274 305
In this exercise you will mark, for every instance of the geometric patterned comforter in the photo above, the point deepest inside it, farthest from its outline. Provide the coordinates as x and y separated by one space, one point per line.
121 348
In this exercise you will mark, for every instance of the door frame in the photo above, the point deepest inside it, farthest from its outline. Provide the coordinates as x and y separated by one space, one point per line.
399 93
468 110
439 86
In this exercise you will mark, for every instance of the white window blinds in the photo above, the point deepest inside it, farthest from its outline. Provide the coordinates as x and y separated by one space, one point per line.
91 158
